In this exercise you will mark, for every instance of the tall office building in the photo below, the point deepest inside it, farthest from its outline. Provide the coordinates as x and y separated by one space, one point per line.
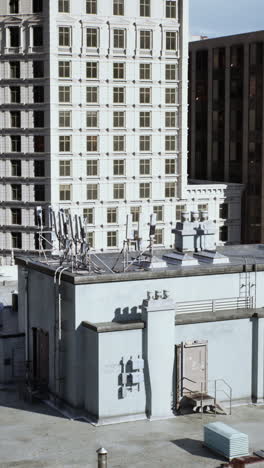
226 119
94 118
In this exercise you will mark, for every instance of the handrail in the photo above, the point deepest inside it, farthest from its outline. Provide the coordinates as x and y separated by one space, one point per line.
213 305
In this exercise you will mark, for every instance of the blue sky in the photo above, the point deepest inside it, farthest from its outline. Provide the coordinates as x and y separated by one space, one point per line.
225 17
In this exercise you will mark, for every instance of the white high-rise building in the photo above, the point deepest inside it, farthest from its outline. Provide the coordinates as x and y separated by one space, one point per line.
94 118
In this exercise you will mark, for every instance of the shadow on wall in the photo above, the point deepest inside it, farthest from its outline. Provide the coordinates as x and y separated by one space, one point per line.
195 447
127 314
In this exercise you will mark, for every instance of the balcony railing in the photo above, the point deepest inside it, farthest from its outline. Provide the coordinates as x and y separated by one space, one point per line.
232 303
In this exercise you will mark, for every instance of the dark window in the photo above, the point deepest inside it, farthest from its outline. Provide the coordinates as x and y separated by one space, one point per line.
16 240
15 119
38 119
170 9
16 168
14 37
15 143
37 36
14 69
15 94
37 6
14 6
39 168
38 69
223 233
16 217
39 192
16 192
38 93
223 211
39 144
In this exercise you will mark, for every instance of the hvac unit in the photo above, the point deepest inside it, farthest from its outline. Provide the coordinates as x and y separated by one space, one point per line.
225 440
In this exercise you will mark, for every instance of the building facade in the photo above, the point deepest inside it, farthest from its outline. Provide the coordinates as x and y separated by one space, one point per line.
226 119
94 118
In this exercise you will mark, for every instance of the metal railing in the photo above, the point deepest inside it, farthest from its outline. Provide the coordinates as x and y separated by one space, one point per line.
215 305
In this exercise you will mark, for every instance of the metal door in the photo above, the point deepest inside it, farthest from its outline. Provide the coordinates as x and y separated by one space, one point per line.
192 372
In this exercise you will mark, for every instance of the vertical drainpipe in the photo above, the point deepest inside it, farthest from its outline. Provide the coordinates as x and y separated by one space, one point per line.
26 316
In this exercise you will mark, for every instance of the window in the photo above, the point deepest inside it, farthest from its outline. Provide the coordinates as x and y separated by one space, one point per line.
135 211
91 37
144 119
119 119
170 119
65 144
145 71
170 9
92 143
88 214
37 36
145 95
119 191
170 96
64 118
118 7
144 190
91 119
111 215
37 6
112 239
223 211
64 94
65 168
119 71
92 70
14 7
119 39
159 212
91 7
39 192
119 95
15 94
64 69
15 119
16 168
65 192
15 143
145 143
38 117
90 239
64 36
145 40
170 72
16 217
159 235
119 167
202 207
170 190
144 167
16 191
91 95
144 8
119 143
38 69
170 166
39 143
92 168
223 233
14 36
38 94
39 168
170 143
179 211
14 69
64 6
170 40
92 191
16 240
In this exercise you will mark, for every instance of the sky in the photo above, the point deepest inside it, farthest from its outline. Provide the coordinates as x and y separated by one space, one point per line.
225 17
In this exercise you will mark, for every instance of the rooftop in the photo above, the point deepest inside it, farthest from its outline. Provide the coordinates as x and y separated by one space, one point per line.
109 267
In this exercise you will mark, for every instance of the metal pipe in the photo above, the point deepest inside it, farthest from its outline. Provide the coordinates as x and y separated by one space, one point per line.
26 315
102 457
